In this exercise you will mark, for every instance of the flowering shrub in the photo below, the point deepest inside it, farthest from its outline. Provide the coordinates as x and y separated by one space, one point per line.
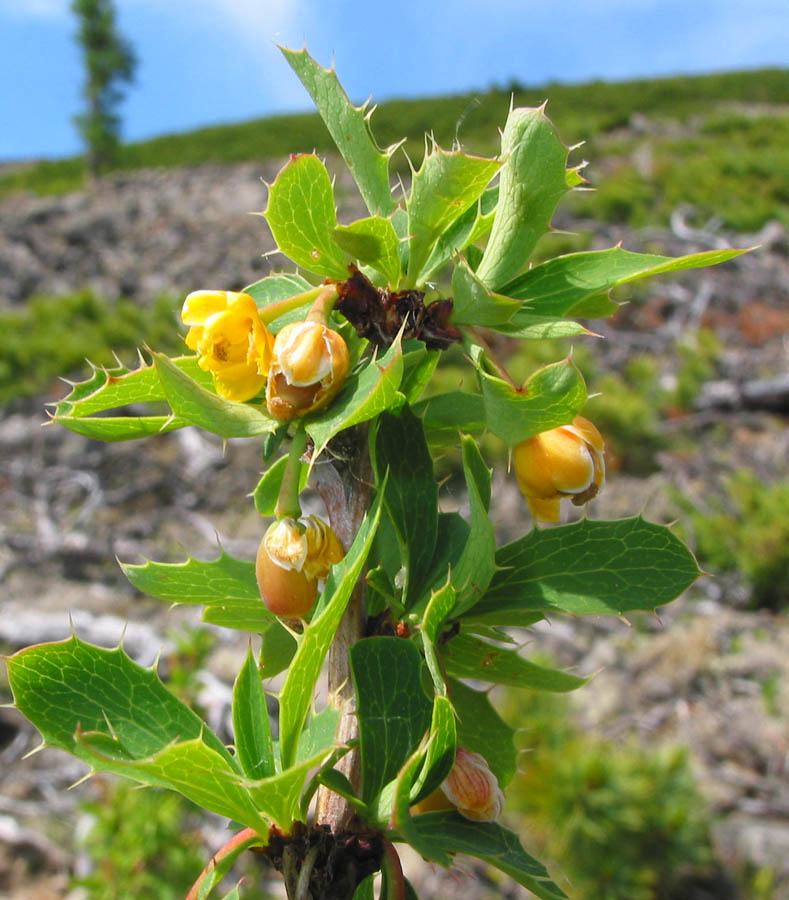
401 601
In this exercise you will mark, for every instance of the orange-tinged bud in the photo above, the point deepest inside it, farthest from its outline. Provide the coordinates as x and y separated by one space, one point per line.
472 788
564 462
231 340
292 557
309 364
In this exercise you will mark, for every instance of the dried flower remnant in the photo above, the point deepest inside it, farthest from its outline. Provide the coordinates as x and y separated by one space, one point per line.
567 461
378 314
231 340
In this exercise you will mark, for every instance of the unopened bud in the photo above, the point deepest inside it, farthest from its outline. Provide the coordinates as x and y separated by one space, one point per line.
292 557
564 462
231 340
472 788
309 364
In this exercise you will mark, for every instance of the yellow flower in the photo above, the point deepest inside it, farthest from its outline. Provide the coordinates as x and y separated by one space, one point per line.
233 343
309 365
472 788
292 557
564 462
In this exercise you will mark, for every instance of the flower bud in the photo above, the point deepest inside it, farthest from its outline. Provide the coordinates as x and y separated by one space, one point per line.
292 557
564 462
472 788
309 365
231 340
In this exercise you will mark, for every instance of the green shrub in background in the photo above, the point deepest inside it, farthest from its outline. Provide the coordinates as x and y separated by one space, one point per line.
627 822
50 337
744 529
142 843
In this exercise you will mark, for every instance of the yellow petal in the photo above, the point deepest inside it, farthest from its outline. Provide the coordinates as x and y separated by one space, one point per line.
199 305
544 510
239 383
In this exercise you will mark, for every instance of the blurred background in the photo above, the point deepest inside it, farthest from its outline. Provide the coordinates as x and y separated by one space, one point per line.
664 779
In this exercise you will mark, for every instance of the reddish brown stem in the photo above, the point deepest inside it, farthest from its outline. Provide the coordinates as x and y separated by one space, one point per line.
235 845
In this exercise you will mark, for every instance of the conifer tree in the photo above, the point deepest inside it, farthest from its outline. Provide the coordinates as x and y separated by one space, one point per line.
109 63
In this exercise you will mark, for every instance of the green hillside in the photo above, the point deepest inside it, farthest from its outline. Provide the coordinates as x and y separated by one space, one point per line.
719 142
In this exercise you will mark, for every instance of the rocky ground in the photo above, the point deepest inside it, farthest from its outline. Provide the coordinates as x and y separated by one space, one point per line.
70 506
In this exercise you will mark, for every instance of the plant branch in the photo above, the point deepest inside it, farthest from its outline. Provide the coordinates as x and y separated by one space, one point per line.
345 486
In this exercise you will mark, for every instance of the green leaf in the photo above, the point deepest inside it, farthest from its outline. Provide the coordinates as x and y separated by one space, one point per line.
466 656
590 568
296 695
562 285
392 708
491 843
121 428
278 649
405 823
438 609
482 730
190 767
227 588
118 717
470 227
251 727
540 328
302 217
411 497
119 386
446 185
278 796
552 396
266 492
440 753
532 183
199 406
365 396
444 416
474 570
419 364
275 288
365 891
453 534
475 304
350 130
116 387
372 241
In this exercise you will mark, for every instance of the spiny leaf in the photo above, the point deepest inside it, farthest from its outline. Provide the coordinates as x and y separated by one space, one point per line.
532 182
301 216
349 127
589 568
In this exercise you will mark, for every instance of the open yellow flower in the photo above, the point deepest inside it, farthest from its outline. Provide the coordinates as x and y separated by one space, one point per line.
563 462
233 343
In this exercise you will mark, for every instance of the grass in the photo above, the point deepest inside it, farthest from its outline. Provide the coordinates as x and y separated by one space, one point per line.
708 131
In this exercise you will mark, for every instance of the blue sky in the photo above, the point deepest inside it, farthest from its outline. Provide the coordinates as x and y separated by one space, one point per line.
208 61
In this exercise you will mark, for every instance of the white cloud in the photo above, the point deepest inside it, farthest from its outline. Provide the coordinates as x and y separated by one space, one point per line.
34 9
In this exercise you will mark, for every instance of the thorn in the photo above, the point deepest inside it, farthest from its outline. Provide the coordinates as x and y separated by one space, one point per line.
80 781
625 620
38 749
122 637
